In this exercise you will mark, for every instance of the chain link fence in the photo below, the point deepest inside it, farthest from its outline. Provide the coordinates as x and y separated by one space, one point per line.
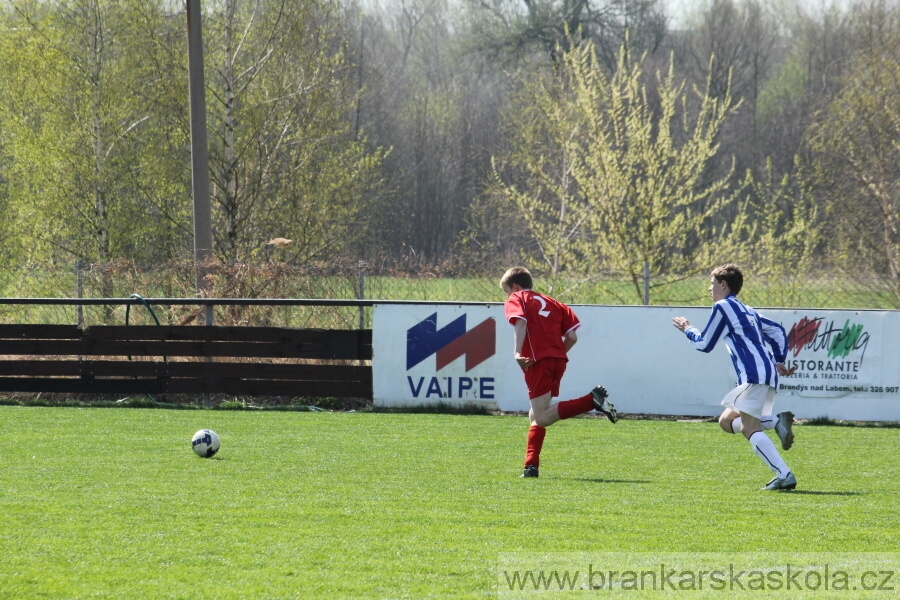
347 280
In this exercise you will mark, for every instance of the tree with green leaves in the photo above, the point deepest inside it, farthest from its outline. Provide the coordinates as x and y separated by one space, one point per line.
857 152
629 171
777 232
284 158
536 175
96 134
73 129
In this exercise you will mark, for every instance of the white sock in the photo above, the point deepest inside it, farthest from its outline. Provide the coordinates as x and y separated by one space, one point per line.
765 449
767 422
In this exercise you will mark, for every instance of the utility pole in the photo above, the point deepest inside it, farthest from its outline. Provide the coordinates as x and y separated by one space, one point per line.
199 146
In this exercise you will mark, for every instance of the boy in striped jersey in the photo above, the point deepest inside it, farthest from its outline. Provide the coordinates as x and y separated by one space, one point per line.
758 348
544 334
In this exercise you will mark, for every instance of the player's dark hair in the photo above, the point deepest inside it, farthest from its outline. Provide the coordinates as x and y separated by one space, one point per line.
519 276
731 275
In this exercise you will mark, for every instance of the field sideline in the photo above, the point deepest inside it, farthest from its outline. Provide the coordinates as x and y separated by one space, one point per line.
112 503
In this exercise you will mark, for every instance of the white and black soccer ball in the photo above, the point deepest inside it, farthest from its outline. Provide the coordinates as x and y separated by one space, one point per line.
206 443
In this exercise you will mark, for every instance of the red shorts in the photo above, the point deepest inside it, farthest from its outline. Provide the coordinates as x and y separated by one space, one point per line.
544 376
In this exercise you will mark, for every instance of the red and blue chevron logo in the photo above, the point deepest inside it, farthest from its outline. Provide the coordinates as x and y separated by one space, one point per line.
448 343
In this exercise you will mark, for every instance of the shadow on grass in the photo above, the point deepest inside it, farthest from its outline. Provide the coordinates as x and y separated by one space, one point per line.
822 493
827 422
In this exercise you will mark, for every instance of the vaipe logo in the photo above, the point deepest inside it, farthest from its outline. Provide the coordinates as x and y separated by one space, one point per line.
452 341
449 343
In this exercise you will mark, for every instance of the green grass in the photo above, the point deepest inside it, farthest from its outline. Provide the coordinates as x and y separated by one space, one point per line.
101 503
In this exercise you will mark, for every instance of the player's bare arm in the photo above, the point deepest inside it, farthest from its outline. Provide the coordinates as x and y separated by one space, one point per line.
519 336
680 323
570 339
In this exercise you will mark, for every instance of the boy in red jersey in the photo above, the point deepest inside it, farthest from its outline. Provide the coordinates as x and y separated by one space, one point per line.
544 334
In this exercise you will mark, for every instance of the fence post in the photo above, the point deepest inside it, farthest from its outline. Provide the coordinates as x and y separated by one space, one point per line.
646 283
79 293
207 400
361 294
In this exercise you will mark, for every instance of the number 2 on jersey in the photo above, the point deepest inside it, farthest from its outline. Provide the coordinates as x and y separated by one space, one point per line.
543 312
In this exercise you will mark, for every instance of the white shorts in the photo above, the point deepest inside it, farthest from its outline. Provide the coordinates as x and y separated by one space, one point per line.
755 399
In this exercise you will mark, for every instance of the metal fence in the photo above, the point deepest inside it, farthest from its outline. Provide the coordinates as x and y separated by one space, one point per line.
355 280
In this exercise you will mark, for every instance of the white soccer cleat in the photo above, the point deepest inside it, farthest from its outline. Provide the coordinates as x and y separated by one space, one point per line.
788 482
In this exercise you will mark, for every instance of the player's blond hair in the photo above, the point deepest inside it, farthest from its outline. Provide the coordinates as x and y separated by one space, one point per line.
519 276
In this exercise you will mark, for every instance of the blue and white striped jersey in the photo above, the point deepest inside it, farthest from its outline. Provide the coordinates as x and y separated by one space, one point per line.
747 335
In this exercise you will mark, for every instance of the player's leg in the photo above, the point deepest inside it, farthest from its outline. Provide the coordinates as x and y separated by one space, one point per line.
536 433
596 399
765 449
542 379
543 412
766 422
782 423
727 421
540 415
750 400
577 406
730 420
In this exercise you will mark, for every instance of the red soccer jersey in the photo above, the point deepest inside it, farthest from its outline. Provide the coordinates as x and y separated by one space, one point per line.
548 321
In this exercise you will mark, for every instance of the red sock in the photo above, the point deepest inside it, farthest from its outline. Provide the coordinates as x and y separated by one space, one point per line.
535 441
573 408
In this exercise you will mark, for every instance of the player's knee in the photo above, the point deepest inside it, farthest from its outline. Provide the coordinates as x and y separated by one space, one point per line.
725 424
544 420
546 416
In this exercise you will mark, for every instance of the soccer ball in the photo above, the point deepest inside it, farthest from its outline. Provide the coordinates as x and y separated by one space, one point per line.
206 443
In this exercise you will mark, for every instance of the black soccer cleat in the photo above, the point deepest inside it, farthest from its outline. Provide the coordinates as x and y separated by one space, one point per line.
784 429
602 403
530 471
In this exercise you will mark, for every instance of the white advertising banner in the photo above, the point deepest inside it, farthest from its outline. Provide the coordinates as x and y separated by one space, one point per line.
848 362
451 354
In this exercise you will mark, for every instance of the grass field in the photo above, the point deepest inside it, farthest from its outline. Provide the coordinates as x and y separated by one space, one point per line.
112 503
